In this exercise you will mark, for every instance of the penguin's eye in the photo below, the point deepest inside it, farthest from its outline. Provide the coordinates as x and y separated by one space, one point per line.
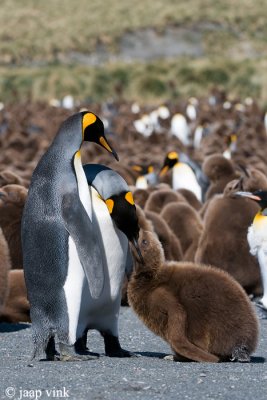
129 198
110 205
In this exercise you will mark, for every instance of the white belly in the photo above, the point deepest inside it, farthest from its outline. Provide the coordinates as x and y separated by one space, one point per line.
184 178
84 311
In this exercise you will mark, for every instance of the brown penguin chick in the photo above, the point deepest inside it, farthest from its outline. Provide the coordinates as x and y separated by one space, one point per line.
220 171
191 198
171 245
9 177
186 225
140 196
12 200
158 199
16 307
223 242
201 311
5 266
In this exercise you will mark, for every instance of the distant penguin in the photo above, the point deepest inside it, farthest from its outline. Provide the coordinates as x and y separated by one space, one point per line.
12 201
61 254
257 237
16 308
182 174
5 266
201 311
146 176
223 242
114 222
179 128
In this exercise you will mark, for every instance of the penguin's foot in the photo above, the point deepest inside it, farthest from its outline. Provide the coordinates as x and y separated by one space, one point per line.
69 353
113 347
51 353
240 354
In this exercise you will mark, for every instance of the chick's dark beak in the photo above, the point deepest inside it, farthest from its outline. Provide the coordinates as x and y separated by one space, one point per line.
104 143
137 248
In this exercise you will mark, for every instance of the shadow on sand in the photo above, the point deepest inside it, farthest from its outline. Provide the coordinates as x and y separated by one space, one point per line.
5 327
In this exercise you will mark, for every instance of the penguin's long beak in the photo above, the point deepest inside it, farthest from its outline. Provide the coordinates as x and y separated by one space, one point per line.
104 143
248 195
164 170
137 248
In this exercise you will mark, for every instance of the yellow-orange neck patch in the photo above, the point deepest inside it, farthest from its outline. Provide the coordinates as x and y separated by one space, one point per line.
150 169
88 119
110 205
129 198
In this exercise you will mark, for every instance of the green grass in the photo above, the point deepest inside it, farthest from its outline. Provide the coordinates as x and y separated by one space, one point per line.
36 35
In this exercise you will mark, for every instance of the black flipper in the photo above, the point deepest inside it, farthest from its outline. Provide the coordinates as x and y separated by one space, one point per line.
80 228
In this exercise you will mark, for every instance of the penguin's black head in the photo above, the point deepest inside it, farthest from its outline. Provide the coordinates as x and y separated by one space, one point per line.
260 196
123 212
143 169
170 160
93 131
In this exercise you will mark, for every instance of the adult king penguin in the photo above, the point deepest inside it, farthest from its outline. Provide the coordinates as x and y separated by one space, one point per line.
183 176
114 222
257 237
58 241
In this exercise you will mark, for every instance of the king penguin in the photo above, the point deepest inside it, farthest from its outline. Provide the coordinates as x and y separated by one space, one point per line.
257 237
182 175
58 242
115 223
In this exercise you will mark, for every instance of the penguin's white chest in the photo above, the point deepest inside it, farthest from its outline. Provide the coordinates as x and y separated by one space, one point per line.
257 234
184 178
84 311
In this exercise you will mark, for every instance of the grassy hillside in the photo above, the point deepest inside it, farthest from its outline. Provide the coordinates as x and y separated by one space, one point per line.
37 39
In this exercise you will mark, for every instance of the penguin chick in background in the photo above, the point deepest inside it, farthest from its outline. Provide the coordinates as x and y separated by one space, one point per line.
183 175
257 237
16 307
202 312
115 223
5 266
223 242
62 259
12 201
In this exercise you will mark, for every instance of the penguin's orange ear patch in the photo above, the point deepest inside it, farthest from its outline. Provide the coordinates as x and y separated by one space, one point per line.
172 155
88 119
129 198
150 169
136 168
110 205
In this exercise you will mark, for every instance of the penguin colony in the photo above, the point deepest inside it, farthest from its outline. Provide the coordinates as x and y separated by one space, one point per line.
197 221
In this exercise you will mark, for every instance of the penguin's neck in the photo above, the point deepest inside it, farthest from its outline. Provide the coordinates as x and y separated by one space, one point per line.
260 219
83 188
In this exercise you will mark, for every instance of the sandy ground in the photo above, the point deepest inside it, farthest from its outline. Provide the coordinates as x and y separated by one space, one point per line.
145 377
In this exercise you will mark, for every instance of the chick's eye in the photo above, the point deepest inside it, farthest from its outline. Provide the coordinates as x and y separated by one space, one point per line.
144 242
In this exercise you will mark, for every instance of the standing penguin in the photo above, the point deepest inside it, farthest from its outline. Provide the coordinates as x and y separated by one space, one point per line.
58 241
114 222
257 237
182 176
